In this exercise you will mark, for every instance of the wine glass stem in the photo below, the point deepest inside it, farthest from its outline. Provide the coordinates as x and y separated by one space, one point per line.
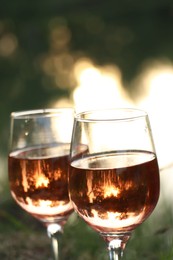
55 247
116 245
55 232
115 253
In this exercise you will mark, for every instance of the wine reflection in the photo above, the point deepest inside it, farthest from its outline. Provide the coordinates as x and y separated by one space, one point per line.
40 185
117 198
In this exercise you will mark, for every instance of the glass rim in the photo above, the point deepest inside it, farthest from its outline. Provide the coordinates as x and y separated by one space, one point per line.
39 112
110 114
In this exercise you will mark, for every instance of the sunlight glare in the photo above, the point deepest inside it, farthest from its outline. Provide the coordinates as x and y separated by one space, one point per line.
98 87
156 93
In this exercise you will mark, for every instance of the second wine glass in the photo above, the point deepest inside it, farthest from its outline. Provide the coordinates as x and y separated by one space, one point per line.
114 174
38 166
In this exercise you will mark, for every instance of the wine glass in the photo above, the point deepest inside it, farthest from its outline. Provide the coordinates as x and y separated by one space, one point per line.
114 176
38 163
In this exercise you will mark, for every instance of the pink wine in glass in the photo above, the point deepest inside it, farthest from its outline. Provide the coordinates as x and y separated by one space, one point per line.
115 192
38 182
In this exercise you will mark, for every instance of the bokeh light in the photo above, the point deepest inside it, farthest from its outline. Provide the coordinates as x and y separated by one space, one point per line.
8 44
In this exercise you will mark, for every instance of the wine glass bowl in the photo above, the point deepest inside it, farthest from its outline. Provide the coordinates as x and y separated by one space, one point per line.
114 183
38 166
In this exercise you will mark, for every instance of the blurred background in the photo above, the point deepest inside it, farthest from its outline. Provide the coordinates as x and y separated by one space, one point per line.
87 54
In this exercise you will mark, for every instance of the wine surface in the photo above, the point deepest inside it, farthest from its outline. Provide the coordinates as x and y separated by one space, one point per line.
38 181
115 192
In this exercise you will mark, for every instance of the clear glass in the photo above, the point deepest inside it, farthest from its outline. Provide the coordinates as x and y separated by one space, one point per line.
38 163
114 176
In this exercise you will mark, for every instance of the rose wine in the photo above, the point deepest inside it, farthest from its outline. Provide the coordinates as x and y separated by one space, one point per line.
115 192
38 181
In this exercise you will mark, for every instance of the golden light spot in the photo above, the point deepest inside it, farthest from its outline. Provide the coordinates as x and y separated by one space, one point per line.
41 181
111 191
8 44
